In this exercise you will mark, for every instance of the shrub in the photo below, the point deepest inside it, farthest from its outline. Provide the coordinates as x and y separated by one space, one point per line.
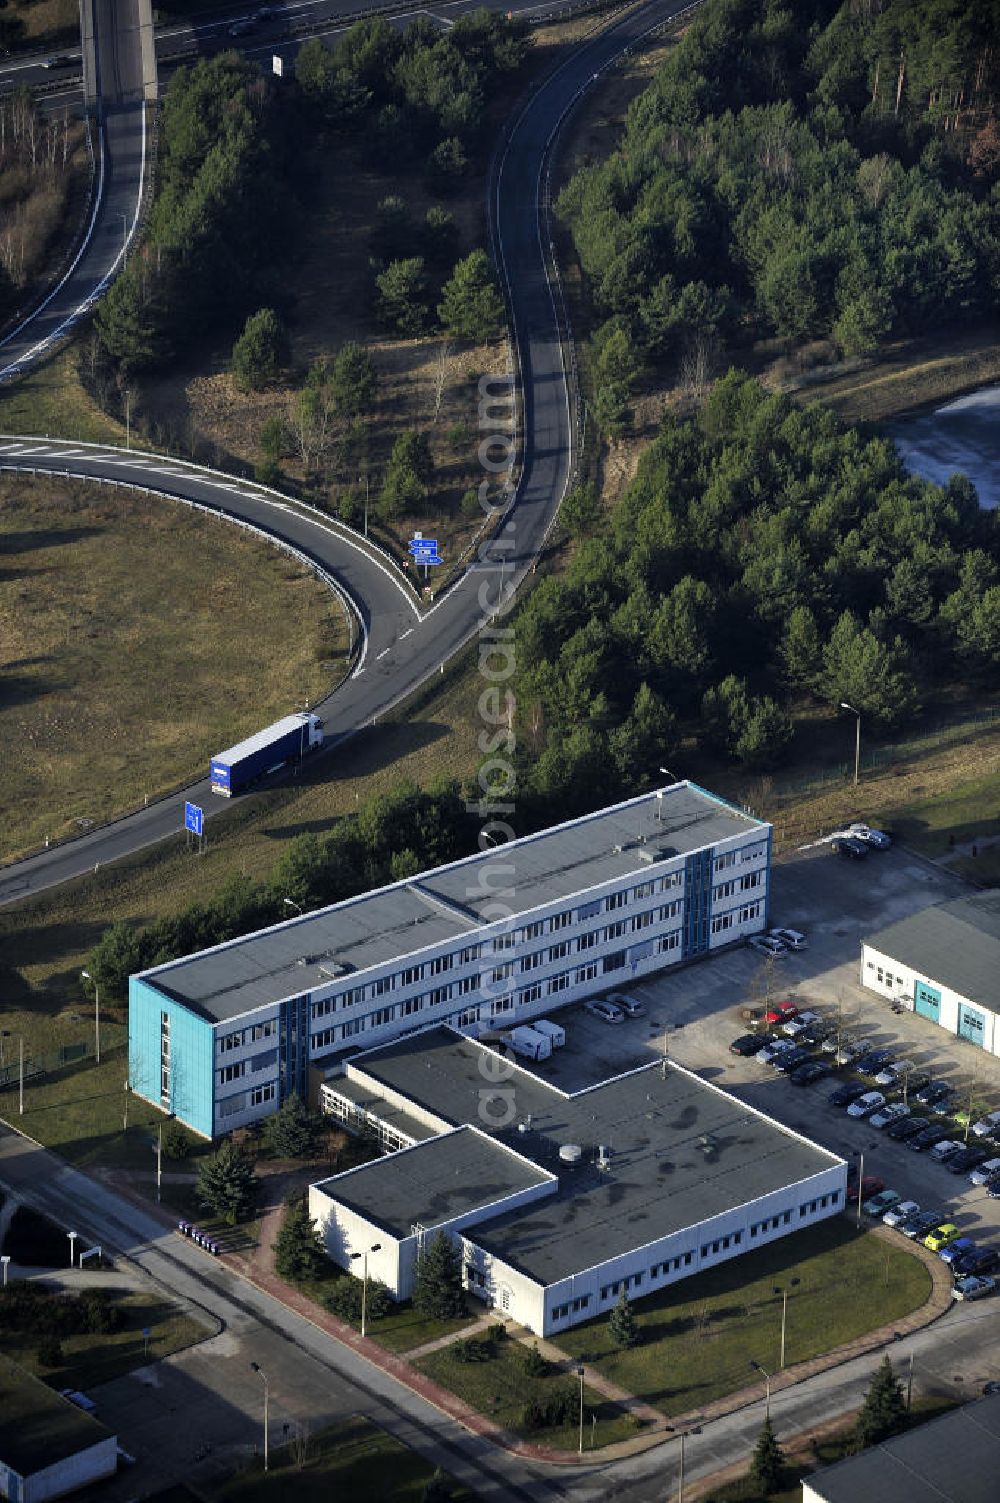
50 1352
176 1143
534 1363
473 1349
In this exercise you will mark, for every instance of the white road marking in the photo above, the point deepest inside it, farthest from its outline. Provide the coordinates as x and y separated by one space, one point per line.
382 654
405 634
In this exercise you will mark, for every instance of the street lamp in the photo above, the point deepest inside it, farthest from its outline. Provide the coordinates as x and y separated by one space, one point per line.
779 1289
291 903
579 1373
767 1391
72 1246
857 738
255 1368
375 1247
5 1260
124 220
671 775
97 1016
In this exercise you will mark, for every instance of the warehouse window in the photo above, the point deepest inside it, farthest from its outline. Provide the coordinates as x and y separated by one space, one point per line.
262 1093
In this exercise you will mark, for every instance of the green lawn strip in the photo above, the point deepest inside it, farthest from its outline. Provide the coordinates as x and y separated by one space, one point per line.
50 400
352 1459
698 1340
404 1328
98 1357
500 1388
965 812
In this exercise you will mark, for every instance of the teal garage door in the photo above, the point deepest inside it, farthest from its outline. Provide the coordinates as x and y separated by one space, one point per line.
971 1024
927 1000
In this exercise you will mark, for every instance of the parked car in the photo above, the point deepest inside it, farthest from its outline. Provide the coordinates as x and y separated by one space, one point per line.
895 1111
877 839
765 945
869 1186
630 1006
973 1287
750 1043
900 1212
849 846
906 1128
917 1227
992 1187
941 1236
933 1091
990 1388
790 938
944 1106
58 60
606 1011
985 1171
969 1158
893 1071
866 1104
800 1023
873 1061
929 1138
846 1093
877 1205
791 1059
781 1012
945 1150
771 1050
912 1083
981 1260
957 1249
836 1040
987 1125
811 1071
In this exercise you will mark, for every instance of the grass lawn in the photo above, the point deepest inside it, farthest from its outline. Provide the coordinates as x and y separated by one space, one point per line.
353 1459
97 1358
405 1328
500 1388
50 399
966 812
699 1338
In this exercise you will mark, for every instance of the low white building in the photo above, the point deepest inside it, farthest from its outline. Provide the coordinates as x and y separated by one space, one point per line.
48 1446
559 1200
943 963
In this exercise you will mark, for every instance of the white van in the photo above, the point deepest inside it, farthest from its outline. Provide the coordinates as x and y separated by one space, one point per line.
555 1031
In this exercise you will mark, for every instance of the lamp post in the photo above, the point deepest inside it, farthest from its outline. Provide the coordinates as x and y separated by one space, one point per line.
5 1260
680 1480
72 1246
784 1316
124 220
255 1368
579 1373
767 1389
375 1247
291 903
97 1016
857 738
671 775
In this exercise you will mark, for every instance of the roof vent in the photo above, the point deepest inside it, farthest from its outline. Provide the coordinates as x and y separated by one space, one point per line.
603 1156
707 1144
571 1153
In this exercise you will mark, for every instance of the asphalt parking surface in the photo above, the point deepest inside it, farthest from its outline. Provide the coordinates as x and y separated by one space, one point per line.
695 1012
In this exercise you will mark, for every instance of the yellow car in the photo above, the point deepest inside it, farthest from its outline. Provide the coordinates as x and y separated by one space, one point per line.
941 1236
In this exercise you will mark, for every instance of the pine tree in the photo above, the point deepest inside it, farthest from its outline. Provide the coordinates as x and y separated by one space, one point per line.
293 1132
298 1247
622 1326
438 1290
883 1412
768 1462
470 305
227 1184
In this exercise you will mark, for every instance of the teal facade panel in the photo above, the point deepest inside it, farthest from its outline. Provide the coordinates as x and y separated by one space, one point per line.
174 1065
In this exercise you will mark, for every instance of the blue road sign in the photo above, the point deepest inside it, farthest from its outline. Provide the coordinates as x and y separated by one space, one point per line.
194 818
425 550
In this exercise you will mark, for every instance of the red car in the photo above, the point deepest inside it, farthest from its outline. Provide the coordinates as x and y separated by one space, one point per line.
781 1012
870 1185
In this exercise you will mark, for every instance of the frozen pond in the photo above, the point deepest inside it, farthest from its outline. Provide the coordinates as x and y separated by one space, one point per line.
962 437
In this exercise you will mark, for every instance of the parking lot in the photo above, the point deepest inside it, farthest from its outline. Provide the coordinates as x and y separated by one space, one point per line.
695 1012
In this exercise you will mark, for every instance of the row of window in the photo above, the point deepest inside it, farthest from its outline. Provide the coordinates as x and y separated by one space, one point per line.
230 1041
746 883
560 1312
736 858
265 1061
744 915
258 1096
885 978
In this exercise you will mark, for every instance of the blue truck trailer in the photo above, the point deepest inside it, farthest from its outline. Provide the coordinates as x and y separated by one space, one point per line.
288 740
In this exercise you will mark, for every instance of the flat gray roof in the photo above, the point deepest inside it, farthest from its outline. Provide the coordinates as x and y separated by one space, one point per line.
952 1459
38 1427
444 904
956 944
455 1173
681 1151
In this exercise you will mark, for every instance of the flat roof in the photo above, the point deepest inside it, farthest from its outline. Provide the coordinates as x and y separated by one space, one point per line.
956 944
362 1095
448 902
681 1150
951 1459
38 1427
455 1173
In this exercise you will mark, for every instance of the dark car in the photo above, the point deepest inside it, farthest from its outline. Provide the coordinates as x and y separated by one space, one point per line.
933 1091
812 1070
928 1137
944 1105
992 1187
845 1094
849 846
913 1084
792 1059
980 1260
907 1128
968 1158
749 1043
872 1062
918 1226
814 1034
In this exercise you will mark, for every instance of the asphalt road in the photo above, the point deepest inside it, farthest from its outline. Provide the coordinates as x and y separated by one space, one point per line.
119 140
405 646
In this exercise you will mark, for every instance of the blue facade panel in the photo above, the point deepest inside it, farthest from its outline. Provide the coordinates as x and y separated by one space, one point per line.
697 902
171 1056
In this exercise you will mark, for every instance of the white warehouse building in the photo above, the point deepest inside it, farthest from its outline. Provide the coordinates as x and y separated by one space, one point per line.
943 963
222 1037
559 1200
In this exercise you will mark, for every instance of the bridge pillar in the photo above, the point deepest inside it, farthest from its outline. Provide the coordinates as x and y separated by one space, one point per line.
147 42
88 38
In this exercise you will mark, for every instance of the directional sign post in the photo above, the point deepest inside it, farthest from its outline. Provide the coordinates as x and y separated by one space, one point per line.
425 551
194 824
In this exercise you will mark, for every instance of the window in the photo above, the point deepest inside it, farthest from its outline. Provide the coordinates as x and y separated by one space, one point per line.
672 879
232 1072
466 985
559 983
469 954
383 985
643 920
560 920
644 890
355 1026
438 995
532 931
266 1061
263 1030
752 879
752 911
323 1009
501 972
467 1017
414 1004
382 1015
530 994
724 890
503 941
588 910
722 922
557 952
586 972
588 941
668 942
669 910
615 900
499 1005
263 1093
532 961
441 964
615 930
614 962
230 1041
321 1040
722 863
356 994
233 1104
412 974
